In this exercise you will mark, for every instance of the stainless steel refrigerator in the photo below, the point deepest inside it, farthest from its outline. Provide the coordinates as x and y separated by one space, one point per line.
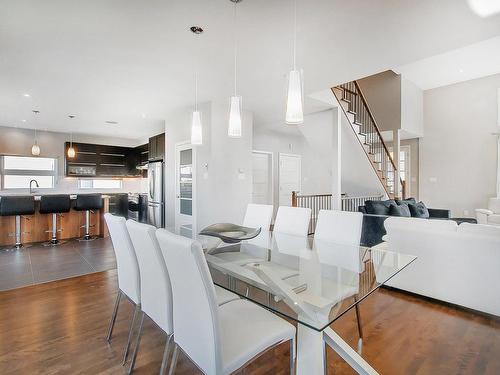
156 204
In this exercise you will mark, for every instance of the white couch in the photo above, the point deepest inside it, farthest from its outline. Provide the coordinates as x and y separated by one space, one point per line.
491 215
459 264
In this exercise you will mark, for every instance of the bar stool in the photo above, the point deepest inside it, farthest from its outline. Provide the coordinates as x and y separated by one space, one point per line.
88 203
17 206
56 204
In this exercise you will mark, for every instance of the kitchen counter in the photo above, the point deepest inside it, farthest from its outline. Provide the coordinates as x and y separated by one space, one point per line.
38 196
36 226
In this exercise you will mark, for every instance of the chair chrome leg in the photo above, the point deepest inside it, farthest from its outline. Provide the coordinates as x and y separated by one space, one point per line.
292 359
166 352
174 360
137 343
130 331
325 361
360 328
113 317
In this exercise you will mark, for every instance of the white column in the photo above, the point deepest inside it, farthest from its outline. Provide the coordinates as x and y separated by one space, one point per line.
396 150
498 164
337 159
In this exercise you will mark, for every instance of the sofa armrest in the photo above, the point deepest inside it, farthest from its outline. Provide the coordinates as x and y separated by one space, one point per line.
484 211
439 213
373 229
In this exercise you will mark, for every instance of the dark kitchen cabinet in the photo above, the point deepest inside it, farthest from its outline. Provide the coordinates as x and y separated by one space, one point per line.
103 161
156 147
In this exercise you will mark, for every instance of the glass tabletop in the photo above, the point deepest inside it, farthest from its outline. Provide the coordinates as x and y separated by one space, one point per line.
311 281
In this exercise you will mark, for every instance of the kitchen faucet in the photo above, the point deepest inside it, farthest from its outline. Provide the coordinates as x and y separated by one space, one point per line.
36 183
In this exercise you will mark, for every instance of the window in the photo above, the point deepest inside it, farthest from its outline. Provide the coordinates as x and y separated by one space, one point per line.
93 183
18 171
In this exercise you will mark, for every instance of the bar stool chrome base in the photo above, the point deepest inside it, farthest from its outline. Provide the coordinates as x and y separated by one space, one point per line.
54 242
87 238
15 247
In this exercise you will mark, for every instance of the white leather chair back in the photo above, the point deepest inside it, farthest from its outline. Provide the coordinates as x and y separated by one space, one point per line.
339 226
196 321
494 205
292 220
156 291
258 216
126 260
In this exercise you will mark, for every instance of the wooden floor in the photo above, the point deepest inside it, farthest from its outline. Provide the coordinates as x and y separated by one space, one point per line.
59 328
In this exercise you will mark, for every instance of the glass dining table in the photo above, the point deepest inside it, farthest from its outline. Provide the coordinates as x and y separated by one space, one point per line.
310 281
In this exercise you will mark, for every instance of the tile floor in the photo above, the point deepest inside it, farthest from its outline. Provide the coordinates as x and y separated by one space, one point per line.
39 264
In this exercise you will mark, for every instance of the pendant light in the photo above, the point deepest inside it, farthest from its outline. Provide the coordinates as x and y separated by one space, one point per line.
196 126
71 150
234 128
294 104
35 149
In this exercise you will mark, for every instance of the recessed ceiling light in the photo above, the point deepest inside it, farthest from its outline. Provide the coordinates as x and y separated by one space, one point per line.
112 122
23 120
143 115
461 70
26 95
196 29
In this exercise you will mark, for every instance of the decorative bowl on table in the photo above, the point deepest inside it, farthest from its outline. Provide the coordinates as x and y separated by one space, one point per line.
230 233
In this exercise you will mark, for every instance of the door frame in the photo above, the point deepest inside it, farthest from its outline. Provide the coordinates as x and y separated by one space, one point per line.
272 171
180 146
279 171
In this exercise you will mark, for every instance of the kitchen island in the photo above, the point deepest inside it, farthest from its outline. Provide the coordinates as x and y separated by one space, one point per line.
36 227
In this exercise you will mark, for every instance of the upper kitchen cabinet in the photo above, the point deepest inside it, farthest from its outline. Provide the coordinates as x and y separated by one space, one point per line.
156 147
84 164
103 161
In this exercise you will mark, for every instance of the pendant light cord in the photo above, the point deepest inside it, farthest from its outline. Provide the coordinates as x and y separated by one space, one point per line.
34 123
294 34
235 45
195 77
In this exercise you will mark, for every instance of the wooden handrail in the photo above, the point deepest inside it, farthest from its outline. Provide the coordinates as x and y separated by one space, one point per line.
372 136
361 95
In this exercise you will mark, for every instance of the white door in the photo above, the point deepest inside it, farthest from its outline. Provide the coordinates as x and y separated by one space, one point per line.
262 177
184 202
289 177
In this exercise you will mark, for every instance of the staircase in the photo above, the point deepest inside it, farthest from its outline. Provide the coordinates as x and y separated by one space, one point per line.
363 123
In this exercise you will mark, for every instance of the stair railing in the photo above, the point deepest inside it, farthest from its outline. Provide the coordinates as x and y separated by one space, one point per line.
368 128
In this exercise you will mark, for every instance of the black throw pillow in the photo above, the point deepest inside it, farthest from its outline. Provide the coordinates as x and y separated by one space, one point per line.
406 201
379 207
400 210
419 210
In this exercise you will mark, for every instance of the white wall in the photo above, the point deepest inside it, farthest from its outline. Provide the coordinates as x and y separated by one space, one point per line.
222 192
458 151
412 109
313 141
17 141
382 92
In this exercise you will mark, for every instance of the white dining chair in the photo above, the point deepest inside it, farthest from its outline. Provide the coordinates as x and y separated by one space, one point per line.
258 216
155 285
344 229
156 291
215 337
339 226
128 273
292 220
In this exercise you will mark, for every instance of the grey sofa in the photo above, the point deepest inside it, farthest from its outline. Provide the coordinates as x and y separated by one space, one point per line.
373 223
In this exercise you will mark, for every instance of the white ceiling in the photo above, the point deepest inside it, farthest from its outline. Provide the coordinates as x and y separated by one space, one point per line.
462 64
123 60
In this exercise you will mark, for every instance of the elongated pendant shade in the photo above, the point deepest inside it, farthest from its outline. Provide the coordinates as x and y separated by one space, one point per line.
35 150
294 104
196 129
234 128
71 152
